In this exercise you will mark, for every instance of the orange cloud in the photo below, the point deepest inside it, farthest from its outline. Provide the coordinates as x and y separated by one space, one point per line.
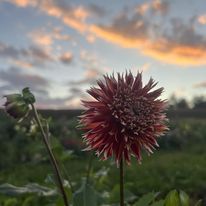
202 19
117 38
71 16
160 6
91 38
50 8
41 38
162 49
80 13
168 52
22 64
66 57
143 8
75 24
20 3
46 38
154 6
91 73
183 46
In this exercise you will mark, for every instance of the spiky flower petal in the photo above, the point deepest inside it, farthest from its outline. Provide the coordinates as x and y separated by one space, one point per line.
124 118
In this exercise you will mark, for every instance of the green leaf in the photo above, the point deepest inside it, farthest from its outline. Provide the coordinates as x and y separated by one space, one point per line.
172 199
145 200
184 198
199 203
13 97
68 190
28 96
158 203
59 201
11 202
32 188
28 201
85 196
114 195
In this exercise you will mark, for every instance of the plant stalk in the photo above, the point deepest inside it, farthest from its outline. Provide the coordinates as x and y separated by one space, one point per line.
52 158
121 181
89 168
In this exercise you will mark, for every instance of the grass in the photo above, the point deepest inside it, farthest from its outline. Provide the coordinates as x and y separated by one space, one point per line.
163 171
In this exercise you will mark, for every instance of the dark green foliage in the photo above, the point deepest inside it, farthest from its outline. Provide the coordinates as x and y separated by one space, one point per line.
179 163
86 195
145 199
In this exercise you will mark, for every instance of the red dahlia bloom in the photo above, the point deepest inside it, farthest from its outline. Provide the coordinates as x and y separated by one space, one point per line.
125 117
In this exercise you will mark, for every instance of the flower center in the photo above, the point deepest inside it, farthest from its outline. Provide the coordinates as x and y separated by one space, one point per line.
133 112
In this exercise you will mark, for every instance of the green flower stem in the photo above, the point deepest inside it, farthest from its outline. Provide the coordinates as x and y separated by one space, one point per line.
121 182
89 168
51 155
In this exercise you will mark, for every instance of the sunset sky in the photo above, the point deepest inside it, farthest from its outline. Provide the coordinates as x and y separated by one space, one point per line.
59 48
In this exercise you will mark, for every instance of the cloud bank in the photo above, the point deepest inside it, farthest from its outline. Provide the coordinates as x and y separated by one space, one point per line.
181 44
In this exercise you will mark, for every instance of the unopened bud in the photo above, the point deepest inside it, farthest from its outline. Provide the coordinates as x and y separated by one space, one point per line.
16 106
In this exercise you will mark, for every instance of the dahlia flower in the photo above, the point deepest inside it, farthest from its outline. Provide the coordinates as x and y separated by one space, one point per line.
124 118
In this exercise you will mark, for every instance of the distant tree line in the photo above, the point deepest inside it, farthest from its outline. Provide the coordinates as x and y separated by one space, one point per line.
198 102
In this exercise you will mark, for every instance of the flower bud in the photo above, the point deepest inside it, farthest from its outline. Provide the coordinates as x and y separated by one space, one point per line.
16 106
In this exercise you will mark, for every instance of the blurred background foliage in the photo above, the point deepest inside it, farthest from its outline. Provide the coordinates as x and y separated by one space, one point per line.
180 163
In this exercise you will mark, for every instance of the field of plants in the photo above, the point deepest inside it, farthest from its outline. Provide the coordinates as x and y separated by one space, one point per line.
176 170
